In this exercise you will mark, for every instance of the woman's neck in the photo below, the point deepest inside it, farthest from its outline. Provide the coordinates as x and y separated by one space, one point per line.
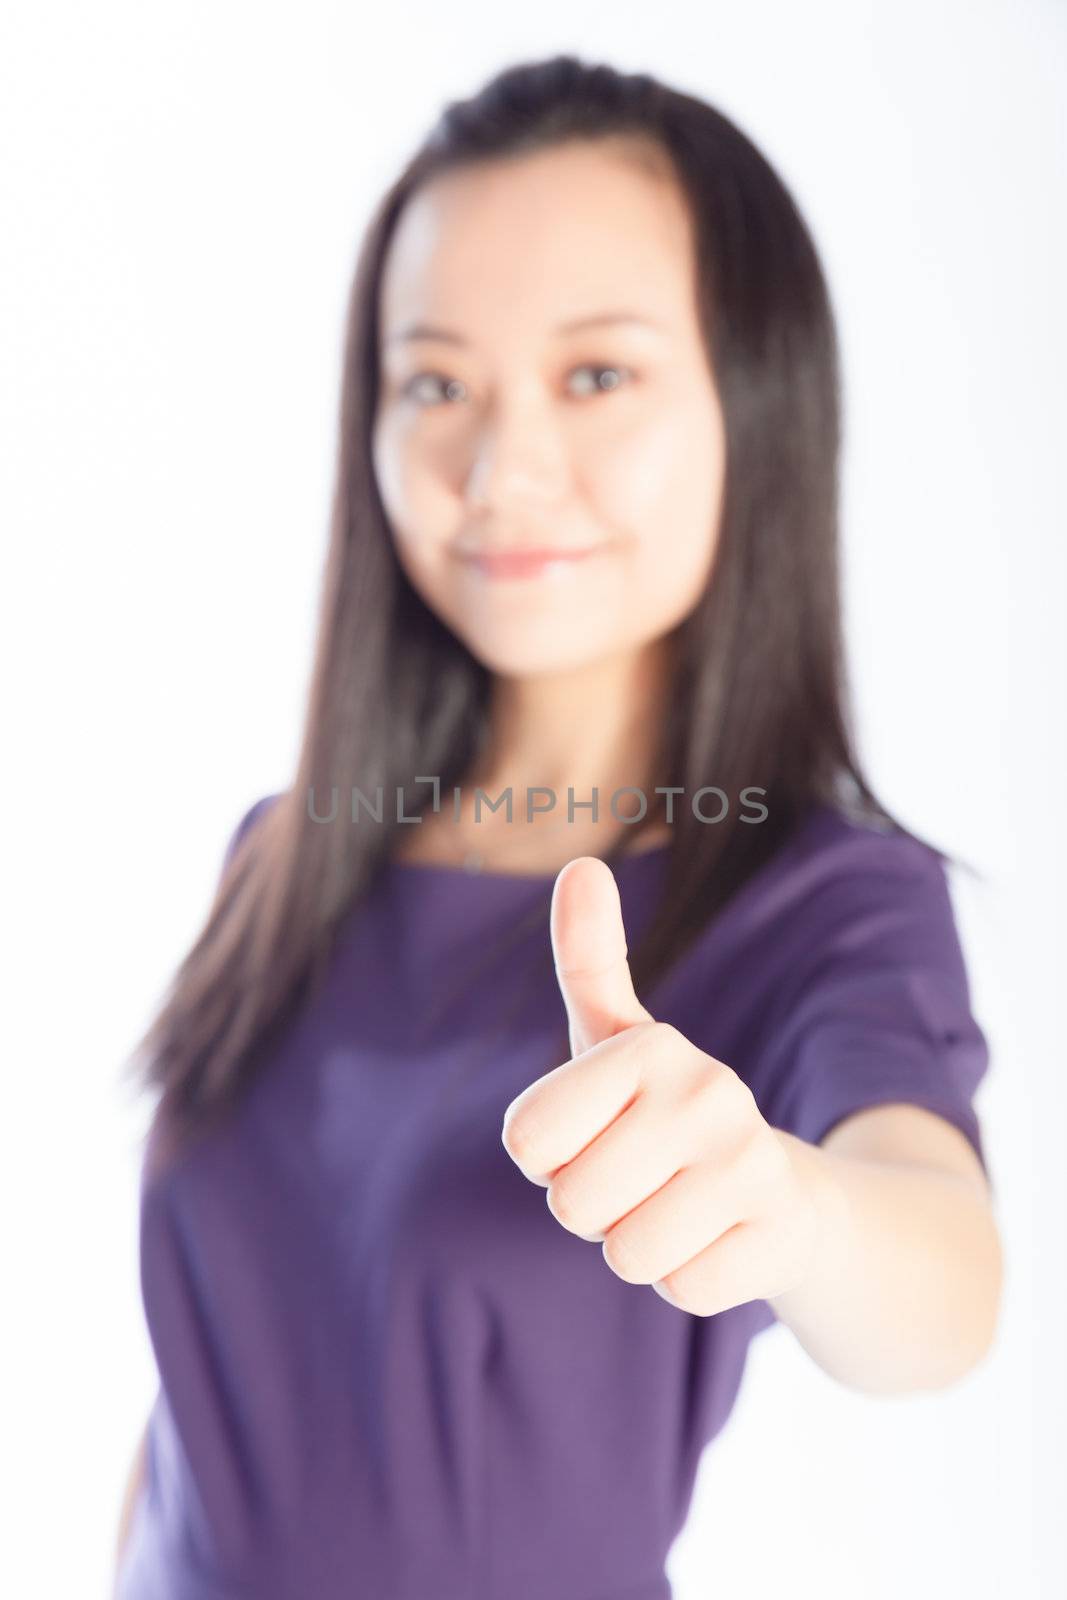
554 741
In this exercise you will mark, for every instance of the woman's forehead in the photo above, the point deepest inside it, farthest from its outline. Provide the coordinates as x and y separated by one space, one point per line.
561 233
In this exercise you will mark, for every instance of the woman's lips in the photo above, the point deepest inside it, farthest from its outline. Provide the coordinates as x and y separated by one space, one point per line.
526 563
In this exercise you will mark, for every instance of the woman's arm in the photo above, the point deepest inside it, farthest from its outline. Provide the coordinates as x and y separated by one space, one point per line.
134 1485
906 1288
883 1234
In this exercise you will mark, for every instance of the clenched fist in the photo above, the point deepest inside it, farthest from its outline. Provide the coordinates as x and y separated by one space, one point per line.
648 1144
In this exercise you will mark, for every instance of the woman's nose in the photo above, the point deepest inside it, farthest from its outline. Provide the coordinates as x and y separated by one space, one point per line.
519 457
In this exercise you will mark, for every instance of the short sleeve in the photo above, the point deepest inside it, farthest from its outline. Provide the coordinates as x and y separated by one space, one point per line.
880 1009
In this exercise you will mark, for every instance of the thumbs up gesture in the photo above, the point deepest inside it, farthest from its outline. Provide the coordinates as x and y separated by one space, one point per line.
646 1143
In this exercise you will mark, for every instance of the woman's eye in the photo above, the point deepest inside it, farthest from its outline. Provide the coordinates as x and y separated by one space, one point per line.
597 379
428 388
592 377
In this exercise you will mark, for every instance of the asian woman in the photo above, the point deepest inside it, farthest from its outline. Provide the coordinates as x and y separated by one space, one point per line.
578 1012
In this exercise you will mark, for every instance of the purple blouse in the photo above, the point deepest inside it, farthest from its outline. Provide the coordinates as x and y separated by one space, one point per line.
385 1369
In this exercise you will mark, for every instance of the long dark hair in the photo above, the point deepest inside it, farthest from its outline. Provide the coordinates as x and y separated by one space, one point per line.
758 699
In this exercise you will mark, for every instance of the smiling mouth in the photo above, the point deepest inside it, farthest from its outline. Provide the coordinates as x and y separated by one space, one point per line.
532 563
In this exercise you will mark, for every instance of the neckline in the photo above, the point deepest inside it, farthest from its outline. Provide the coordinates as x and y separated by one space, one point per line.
453 872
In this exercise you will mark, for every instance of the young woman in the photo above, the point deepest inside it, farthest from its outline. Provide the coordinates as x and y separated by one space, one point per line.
584 556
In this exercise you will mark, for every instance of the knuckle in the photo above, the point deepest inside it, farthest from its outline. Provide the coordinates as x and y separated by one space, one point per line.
520 1139
665 1037
740 1094
565 1205
699 1298
710 1095
674 1283
621 1257
727 1098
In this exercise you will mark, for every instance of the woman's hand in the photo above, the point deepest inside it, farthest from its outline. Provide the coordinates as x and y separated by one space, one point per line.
650 1145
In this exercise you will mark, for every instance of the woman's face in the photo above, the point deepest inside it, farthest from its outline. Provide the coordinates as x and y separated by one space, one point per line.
544 385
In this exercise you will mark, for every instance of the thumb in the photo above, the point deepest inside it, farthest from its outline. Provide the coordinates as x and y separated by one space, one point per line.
589 951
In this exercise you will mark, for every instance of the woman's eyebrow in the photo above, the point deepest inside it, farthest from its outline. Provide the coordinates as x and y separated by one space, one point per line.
427 330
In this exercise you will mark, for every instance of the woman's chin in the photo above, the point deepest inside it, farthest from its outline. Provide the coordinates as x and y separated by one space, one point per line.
521 653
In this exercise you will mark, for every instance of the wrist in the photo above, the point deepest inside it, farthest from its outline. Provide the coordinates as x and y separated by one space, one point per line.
830 1216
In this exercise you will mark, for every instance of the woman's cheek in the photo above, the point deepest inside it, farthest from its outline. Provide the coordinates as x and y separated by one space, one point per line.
415 498
660 488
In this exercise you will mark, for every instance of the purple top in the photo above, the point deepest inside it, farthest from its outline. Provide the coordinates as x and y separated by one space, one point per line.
386 1370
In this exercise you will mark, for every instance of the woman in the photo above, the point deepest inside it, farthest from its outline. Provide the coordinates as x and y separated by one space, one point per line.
583 544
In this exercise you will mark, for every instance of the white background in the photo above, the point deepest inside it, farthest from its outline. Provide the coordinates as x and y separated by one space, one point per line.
182 189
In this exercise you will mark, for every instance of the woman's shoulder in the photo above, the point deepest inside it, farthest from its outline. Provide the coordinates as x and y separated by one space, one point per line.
835 868
853 893
833 843
248 820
